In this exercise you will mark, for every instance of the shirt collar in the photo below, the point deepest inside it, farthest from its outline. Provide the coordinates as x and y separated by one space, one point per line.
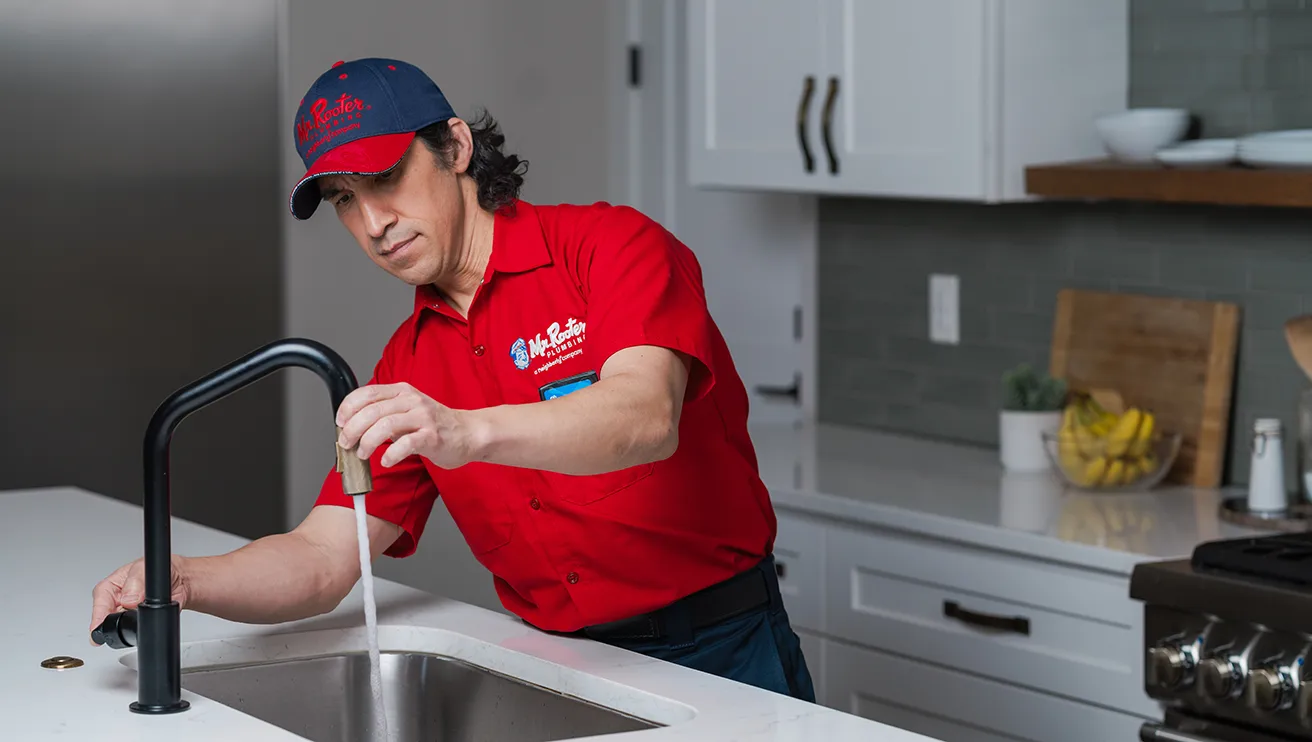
518 246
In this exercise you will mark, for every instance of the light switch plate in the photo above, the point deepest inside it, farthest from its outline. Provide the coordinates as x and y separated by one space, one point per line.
944 309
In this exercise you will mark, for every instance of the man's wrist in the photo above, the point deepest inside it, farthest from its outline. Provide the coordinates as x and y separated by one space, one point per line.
479 433
184 570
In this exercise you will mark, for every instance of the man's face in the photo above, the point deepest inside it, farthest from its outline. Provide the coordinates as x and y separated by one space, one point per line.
409 220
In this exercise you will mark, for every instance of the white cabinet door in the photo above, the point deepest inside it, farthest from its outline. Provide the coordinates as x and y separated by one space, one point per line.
754 67
945 99
904 98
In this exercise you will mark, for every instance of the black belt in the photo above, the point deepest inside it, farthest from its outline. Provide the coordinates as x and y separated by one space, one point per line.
745 591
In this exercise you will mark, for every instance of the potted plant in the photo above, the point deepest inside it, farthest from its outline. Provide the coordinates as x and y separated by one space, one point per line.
1031 405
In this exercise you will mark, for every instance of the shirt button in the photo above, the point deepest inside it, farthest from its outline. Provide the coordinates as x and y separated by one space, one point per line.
572 578
535 504
478 350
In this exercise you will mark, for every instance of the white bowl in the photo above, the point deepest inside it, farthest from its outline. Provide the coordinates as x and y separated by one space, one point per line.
1136 135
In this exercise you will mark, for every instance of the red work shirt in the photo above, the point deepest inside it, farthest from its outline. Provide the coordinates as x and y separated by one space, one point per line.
566 287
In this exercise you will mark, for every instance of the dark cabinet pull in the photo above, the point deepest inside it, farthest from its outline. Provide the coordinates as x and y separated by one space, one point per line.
1015 624
793 390
779 569
827 124
804 110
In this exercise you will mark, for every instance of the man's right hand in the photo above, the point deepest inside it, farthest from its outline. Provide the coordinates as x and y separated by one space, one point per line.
125 587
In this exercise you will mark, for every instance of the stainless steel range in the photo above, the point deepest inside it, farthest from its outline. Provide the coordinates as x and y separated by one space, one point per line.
1227 638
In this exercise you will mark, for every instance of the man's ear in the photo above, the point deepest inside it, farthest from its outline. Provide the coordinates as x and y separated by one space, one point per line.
463 141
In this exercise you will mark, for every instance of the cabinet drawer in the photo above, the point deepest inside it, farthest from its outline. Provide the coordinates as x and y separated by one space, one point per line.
955 707
799 552
1051 628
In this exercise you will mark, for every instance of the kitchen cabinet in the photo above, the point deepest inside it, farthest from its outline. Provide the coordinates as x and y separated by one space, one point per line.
898 98
945 704
1059 630
960 642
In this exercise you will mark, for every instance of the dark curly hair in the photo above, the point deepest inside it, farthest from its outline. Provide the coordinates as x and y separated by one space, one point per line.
499 175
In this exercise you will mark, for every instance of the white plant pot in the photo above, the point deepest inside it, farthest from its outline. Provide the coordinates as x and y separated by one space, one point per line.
1020 439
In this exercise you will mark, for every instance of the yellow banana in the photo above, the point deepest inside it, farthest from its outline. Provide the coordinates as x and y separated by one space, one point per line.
1148 463
1115 473
1144 437
1133 471
1124 433
1094 472
1068 448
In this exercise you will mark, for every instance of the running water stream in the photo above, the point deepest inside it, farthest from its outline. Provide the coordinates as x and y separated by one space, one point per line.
370 621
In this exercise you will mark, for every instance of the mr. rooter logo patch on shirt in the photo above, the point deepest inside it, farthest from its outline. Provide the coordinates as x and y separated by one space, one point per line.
561 343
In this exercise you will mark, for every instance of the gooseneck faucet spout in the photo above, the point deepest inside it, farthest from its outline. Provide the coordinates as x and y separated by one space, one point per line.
154 625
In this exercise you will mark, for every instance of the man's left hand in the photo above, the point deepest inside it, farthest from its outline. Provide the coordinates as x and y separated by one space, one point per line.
414 422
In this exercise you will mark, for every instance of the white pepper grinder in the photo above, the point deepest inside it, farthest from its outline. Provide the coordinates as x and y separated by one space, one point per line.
1266 480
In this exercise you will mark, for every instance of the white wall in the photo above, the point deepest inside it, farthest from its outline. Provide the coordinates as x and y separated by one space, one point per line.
543 70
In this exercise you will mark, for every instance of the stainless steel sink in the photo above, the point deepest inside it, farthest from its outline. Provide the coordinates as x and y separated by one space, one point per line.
429 698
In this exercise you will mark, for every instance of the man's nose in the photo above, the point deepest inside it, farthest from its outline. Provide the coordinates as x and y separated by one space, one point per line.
377 217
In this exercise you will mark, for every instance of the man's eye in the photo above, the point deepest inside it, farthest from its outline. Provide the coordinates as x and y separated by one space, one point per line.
342 199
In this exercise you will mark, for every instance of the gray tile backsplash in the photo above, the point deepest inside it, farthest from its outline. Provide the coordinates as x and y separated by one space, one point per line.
879 369
1243 66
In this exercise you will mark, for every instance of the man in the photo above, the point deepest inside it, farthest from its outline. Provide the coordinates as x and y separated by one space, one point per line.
560 383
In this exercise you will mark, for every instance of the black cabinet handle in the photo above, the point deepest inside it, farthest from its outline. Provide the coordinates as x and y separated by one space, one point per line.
1014 624
793 390
804 110
779 569
827 124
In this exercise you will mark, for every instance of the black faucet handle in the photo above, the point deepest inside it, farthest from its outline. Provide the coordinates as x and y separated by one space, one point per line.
118 630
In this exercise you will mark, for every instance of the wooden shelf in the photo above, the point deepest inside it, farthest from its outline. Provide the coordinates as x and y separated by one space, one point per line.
1109 180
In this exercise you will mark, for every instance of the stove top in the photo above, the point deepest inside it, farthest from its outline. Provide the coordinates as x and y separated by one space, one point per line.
1284 558
1227 637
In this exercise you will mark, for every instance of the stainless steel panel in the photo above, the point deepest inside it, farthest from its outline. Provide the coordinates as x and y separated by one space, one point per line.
430 698
140 202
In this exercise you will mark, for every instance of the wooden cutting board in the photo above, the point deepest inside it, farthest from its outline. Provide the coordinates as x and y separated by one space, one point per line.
1175 357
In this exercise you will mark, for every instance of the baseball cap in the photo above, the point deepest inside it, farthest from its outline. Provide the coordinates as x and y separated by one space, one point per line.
359 118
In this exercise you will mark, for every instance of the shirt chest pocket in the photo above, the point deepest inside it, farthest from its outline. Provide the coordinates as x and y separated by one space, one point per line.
591 488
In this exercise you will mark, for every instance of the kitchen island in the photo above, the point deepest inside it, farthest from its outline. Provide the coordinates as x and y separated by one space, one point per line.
56 543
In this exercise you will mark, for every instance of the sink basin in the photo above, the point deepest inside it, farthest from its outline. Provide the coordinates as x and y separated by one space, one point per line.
429 697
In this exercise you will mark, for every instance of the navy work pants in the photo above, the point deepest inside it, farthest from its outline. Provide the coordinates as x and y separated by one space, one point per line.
758 648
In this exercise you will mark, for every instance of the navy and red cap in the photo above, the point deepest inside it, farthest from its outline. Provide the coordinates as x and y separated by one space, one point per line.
359 118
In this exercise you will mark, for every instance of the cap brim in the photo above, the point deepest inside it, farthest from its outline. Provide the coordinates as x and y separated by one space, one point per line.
367 156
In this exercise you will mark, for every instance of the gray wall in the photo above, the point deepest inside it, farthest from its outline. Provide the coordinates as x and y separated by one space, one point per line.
539 68
140 247
1242 70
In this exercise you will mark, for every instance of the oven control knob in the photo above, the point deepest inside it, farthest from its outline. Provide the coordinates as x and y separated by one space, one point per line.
1167 667
1219 677
1269 689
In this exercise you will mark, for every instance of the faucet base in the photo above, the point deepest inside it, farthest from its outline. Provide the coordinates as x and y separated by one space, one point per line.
167 708
159 674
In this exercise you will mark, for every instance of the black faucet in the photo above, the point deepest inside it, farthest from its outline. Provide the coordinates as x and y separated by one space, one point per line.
153 625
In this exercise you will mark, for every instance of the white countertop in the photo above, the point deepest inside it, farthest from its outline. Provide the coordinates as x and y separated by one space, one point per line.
960 493
57 543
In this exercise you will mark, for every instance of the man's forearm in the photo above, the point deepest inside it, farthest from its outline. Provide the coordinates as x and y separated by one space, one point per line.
277 578
618 422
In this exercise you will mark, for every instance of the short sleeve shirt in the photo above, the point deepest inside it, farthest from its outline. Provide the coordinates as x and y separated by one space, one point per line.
566 287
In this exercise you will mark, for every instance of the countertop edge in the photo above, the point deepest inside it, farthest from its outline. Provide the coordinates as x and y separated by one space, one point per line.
1031 545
